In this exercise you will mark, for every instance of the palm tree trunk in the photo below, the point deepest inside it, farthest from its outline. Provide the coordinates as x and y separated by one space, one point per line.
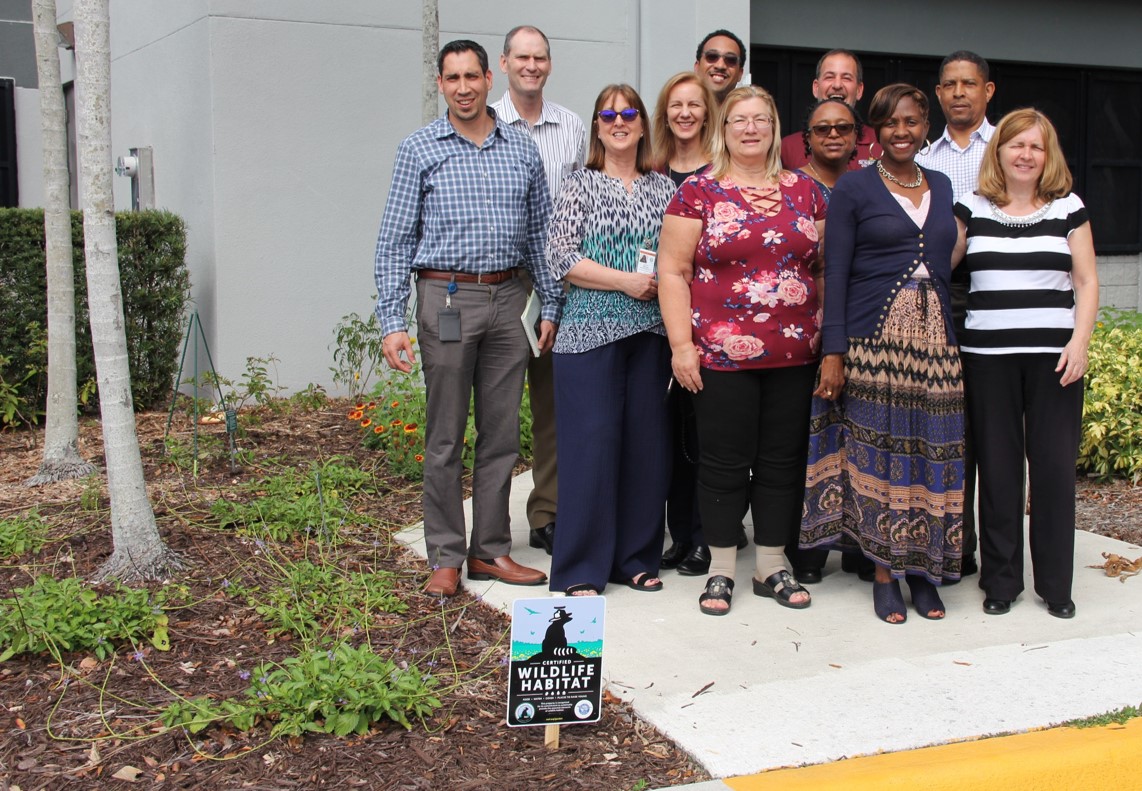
139 552
61 438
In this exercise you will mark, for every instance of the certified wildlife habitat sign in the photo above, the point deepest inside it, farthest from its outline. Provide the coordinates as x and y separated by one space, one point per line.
556 661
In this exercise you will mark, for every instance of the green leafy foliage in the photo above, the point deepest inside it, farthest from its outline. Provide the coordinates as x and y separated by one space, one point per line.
155 286
69 615
338 690
20 534
256 384
394 419
308 599
1111 444
358 354
299 503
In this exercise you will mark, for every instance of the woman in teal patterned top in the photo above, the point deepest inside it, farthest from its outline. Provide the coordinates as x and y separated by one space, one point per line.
612 362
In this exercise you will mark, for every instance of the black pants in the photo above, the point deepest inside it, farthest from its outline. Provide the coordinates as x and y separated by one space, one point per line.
1018 409
753 439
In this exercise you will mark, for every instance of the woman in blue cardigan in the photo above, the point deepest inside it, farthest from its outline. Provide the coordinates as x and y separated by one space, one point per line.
885 470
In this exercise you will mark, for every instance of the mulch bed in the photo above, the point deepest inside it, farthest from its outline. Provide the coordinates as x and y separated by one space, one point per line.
75 727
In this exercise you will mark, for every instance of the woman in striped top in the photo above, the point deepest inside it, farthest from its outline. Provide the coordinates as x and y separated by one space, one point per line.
1026 243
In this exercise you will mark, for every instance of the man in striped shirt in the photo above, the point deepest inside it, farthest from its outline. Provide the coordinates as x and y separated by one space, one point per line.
561 138
964 89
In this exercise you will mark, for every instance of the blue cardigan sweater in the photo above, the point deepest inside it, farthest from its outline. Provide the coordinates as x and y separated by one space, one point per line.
871 249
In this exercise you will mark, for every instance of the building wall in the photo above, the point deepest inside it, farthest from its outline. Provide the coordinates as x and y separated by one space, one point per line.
274 124
1095 32
29 147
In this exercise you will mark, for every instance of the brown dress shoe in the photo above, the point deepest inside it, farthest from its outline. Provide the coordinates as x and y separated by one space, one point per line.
443 583
505 570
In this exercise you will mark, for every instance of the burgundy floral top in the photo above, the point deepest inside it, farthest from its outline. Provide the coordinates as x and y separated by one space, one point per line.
753 299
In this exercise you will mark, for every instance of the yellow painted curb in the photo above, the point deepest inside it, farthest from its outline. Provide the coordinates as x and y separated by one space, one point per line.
1060 758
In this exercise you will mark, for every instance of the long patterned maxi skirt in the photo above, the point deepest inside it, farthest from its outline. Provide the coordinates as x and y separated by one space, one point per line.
886 461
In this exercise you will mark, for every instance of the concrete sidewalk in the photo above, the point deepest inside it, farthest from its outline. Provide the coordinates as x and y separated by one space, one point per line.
768 687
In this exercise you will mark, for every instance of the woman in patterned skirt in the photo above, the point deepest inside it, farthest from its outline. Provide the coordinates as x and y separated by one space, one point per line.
885 469
611 360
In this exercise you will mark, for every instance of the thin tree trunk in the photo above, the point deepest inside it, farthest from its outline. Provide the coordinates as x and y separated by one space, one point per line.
61 443
430 45
139 552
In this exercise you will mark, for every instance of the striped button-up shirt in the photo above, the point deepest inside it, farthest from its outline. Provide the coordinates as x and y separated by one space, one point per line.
961 165
559 135
457 206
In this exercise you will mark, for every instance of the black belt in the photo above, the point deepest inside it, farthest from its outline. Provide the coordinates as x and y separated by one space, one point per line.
489 279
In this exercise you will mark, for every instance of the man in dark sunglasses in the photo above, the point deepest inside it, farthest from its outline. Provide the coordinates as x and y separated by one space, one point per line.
839 76
720 62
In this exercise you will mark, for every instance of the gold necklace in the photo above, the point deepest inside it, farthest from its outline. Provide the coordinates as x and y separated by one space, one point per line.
919 176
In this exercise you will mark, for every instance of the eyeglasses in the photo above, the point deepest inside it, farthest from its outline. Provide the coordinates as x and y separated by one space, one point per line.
712 56
740 123
823 130
609 116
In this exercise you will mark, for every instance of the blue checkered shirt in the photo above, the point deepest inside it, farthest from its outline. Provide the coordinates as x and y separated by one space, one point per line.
960 165
460 207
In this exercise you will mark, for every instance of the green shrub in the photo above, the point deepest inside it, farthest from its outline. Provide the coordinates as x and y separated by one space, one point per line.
20 534
299 503
69 615
1111 443
155 285
338 690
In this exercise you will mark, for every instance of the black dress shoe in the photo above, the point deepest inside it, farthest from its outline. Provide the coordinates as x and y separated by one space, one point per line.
697 563
675 554
542 538
998 606
807 576
1064 609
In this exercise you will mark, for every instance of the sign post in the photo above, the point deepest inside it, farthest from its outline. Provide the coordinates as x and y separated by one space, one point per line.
556 663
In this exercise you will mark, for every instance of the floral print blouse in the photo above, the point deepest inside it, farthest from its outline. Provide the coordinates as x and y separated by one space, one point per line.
753 299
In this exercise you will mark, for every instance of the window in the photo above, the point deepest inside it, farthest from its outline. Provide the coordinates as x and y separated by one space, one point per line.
1097 112
9 195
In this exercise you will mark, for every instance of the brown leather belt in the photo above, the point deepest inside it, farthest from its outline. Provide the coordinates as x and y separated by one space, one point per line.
490 279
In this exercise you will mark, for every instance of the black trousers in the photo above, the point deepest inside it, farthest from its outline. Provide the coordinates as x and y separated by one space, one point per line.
1018 410
753 440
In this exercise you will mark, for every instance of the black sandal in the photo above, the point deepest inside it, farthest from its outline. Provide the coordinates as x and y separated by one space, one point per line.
780 586
925 597
718 588
582 589
888 601
641 582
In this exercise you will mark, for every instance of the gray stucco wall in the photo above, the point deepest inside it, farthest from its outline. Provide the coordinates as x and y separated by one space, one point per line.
1094 32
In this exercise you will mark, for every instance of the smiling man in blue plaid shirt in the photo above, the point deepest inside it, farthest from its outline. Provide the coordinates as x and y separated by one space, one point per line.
468 206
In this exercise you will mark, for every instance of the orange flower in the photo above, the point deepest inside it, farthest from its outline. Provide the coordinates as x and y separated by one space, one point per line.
366 422
379 429
397 422
418 457
410 428
395 404
360 405
356 414
370 405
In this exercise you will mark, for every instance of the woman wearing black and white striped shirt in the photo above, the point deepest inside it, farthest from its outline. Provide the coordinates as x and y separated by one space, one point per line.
1026 242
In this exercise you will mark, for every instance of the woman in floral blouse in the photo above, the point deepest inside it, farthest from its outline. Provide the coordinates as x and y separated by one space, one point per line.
737 285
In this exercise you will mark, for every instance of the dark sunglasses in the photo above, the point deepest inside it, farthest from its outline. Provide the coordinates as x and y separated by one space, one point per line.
823 130
609 116
712 56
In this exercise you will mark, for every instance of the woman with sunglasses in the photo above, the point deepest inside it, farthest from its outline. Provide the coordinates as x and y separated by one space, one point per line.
739 300
886 442
1031 311
611 360
831 132
683 128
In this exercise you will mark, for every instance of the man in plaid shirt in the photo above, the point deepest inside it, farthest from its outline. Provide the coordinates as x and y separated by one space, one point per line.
468 205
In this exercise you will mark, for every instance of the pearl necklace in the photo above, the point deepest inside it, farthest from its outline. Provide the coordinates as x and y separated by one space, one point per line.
1003 218
919 176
